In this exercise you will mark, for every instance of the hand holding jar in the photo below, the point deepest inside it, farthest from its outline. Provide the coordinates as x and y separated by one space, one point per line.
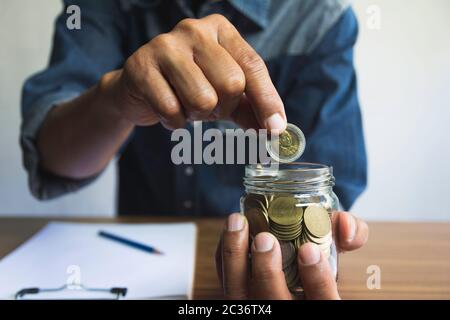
285 242
267 280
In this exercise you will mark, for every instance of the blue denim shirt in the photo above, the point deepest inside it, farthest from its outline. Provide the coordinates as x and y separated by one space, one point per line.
307 46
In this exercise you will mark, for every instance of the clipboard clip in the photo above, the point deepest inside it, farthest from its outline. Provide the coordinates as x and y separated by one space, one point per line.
116 292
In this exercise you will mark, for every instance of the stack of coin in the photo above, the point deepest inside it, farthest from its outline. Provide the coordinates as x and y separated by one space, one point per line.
292 224
291 275
256 211
317 229
289 255
285 218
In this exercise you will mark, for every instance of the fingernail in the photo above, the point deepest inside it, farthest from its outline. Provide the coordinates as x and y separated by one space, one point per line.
235 222
352 228
309 254
276 123
263 242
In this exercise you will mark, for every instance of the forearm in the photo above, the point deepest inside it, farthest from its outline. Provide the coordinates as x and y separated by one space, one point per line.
80 137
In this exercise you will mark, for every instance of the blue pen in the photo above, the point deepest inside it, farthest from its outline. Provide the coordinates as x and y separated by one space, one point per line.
128 242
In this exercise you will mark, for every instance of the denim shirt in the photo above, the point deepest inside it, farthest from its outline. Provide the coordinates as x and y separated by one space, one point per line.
307 46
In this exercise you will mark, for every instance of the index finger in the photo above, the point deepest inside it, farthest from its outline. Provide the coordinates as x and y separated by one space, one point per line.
260 91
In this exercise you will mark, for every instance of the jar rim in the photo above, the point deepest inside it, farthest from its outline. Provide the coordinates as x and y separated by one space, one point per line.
292 166
289 176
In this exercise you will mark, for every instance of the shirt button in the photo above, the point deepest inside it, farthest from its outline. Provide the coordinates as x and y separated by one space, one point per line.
189 171
187 204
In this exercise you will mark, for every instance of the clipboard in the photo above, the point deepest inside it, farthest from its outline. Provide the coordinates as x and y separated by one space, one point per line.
70 261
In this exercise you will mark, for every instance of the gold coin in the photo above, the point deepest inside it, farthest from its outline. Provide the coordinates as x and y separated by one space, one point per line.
325 239
253 200
288 253
285 237
286 228
289 233
257 221
298 242
317 221
287 146
285 232
325 247
291 275
283 211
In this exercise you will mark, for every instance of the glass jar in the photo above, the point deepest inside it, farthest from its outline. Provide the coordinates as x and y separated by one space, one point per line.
294 202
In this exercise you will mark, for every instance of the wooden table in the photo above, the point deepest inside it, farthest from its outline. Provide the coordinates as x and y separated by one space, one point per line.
414 258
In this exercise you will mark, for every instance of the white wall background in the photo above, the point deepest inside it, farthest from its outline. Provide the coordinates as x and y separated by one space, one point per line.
404 78
26 28
404 81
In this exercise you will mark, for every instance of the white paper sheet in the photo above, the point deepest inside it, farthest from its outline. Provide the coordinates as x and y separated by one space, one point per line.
64 253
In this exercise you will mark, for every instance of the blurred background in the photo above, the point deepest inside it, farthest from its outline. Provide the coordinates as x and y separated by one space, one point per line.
403 65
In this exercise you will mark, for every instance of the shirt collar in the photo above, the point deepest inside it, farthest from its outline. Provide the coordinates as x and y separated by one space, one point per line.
255 10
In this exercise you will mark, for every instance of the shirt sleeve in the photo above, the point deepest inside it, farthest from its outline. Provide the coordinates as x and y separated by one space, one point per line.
322 100
78 60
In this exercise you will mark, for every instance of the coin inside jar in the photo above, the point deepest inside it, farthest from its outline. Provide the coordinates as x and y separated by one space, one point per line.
285 218
286 201
287 146
257 221
288 253
317 221
284 211
317 229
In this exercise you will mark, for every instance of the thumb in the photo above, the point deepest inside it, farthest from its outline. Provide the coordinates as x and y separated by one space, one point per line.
317 279
246 116
268 281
